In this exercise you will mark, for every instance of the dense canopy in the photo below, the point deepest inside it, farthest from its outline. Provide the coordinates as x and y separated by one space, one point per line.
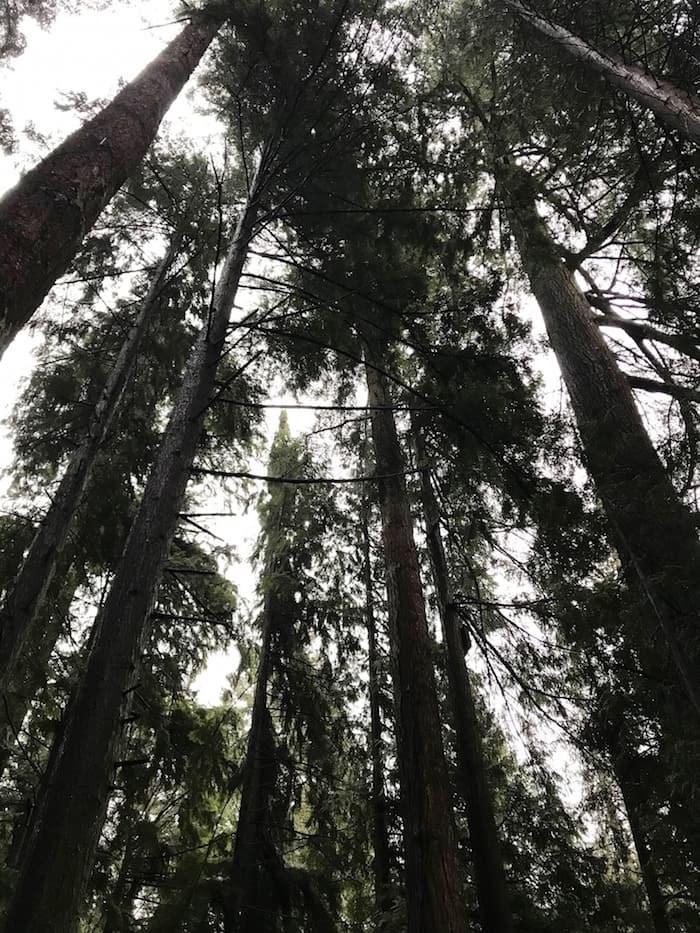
349 557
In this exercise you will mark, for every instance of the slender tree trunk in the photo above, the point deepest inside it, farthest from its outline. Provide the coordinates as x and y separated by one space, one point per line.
433 895
123 894
31 674
628 781
253 850
44 218
674 107
380 829
491 887
69 815
653 531
256 860
21 609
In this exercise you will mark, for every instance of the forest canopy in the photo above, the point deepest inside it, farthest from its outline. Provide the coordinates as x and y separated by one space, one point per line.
349 557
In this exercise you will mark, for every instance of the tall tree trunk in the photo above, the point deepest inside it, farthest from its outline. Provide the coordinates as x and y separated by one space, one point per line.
254 851
118 915
258 871
433 895
44 218
491 887
380 831
21 608
673 106
31 673
652 530
628 777
60 851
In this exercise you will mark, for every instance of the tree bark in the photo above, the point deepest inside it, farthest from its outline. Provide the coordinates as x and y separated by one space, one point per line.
489 875
23 602
433 896
380 831
254 854
258 869
44 218
652 530
59 854
674 107
32 672
628 781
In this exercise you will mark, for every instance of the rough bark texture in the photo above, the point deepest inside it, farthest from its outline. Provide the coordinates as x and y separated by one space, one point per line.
433 895
44 218
21 608
673 106
59 854
380 831
653 531
491 887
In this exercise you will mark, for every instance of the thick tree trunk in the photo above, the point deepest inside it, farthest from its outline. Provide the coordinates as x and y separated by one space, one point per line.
380 830
21 609
60 851
652 530
44 218
433 895
491 887
673 106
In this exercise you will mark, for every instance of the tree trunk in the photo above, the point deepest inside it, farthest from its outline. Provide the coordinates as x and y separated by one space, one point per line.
491 887
628 781
31 675
433 895
380 830
674 107
254 853
44 218
257 866
21 608
122 898
59 854
651 528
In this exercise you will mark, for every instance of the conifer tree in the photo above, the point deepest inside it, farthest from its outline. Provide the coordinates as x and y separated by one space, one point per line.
44 218
673 106
69 809
434 899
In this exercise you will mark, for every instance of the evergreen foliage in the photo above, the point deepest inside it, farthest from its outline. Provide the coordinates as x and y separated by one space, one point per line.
460 662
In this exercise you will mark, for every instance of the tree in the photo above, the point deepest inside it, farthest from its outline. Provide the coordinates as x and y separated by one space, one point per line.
25 598
673 106
654 533
73 803
492 891
46 215
378 800
433 894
